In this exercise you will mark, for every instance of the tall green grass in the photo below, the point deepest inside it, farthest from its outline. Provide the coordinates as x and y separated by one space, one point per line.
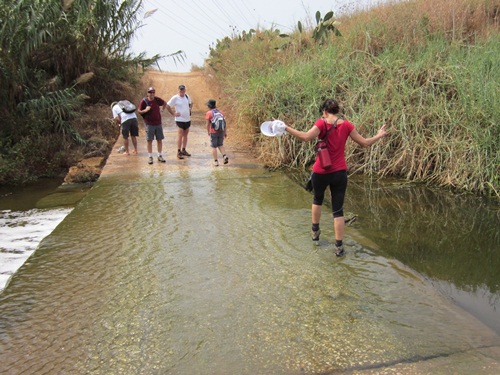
430 71
55 58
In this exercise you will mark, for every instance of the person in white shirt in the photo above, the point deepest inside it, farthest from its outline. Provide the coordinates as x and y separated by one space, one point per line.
129 126
180 107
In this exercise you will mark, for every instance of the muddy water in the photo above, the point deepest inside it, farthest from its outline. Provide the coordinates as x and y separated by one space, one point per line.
212 271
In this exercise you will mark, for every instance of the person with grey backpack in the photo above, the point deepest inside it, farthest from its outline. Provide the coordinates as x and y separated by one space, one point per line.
124 115
216 129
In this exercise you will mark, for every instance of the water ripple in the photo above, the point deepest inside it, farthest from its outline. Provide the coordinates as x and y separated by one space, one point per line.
189 274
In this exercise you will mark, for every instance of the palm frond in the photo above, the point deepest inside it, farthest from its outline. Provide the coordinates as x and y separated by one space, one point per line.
56 107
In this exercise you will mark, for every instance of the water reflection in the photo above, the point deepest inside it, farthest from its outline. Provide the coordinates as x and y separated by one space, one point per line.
23 198
451 239
213 272
454 240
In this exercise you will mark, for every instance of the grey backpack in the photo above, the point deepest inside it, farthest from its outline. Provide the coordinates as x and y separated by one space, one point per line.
126 106
218 121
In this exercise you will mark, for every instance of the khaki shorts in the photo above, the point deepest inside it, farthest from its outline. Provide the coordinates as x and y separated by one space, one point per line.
154 131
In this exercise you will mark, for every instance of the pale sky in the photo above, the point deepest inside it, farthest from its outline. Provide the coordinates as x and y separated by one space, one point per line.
195 25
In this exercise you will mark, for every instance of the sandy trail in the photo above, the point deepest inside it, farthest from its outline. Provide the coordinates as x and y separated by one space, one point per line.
166 85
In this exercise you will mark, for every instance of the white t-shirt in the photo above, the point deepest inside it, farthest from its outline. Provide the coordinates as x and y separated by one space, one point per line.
117 111
181 104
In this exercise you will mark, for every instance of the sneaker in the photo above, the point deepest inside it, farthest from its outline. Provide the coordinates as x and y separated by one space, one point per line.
216 163
339 251
179 155
315 236
184 152
150 160
226 160
351 220
160 159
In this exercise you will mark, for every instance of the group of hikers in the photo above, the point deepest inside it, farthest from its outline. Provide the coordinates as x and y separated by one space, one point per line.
180 106
329 169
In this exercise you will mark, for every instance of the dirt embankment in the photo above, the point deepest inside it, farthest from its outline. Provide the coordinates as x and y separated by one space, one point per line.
166 85
98 119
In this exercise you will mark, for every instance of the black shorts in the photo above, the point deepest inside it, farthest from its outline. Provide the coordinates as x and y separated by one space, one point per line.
131 126
337 181
183 125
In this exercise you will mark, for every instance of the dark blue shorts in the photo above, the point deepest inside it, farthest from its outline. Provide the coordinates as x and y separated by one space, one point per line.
216 139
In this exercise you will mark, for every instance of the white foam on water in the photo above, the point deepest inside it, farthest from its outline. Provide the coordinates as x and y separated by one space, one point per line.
20 234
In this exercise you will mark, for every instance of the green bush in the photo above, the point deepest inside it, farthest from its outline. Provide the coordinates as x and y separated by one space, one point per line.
433 78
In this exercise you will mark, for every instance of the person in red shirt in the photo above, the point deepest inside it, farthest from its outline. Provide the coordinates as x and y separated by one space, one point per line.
337 131
216 136
149 108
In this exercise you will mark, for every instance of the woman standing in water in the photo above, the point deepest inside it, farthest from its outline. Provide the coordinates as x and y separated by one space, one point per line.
334 131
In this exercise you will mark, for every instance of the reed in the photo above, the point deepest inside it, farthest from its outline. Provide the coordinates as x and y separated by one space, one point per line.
426 69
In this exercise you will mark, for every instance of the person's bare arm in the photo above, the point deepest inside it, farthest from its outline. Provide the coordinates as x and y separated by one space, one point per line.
367 142
304 136
146 109
169 109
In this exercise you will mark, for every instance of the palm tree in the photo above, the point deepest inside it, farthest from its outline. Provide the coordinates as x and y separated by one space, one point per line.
55 54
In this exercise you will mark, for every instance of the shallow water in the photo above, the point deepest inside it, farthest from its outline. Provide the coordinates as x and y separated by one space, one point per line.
453 241
213 272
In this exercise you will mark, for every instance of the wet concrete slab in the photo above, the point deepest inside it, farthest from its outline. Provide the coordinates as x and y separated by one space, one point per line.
198 146
482 360
478 360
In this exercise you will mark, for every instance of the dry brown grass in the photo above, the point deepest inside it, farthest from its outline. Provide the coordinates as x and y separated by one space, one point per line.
426 68
412 22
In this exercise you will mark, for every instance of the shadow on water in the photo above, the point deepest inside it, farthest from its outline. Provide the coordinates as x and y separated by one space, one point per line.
453 240
43 194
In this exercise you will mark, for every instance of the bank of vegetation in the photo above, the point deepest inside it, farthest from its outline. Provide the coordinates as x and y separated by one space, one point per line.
61 64
430 70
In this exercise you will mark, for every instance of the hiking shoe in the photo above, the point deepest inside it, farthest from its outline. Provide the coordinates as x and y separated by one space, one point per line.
150 160
351 220
179 155
226 160
160 159
184 152
315 236
339 251
216 163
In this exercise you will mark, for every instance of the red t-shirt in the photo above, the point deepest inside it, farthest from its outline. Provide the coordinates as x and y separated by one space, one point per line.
337 139
209 116
153 116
